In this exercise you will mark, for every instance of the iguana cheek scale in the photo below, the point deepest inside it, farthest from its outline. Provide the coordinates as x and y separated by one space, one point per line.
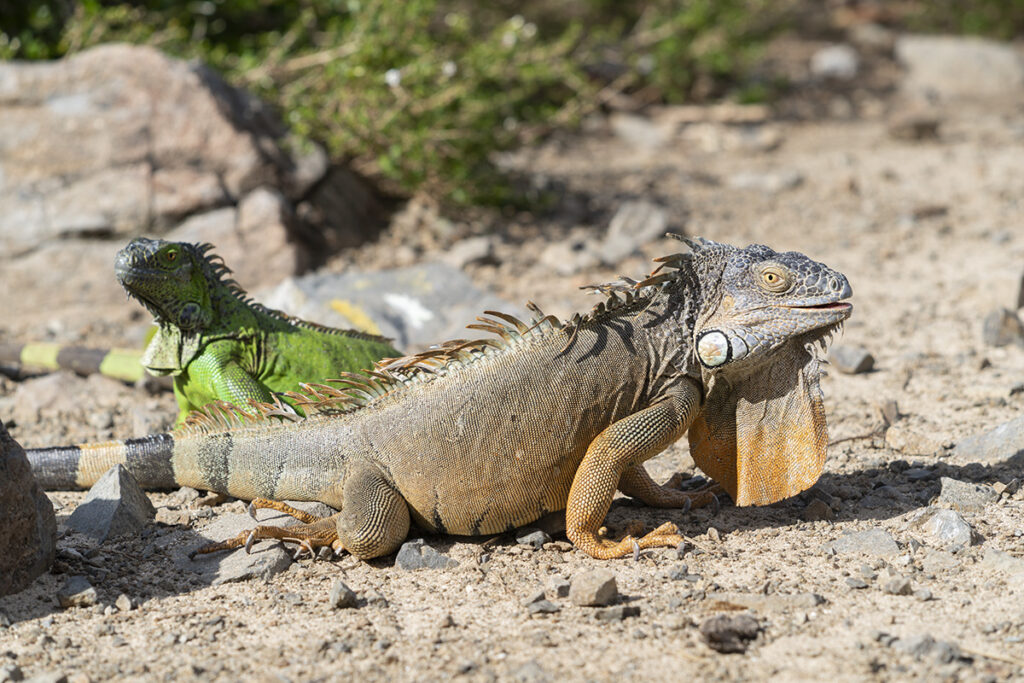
478 437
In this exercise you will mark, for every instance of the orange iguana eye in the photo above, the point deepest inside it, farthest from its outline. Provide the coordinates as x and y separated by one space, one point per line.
171 256
775 279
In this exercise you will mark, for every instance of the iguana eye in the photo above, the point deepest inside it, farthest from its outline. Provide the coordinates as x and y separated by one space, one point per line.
775 279
171 256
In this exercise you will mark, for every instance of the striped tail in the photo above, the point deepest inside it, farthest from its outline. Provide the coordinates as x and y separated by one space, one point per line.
123 364
80 466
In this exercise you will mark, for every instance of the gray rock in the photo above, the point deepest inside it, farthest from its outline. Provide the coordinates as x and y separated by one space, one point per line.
898 585
943 528
1002 327
871 542
115 506
818 510
11 672
965 496
771 182
635 224
341 596
954 67
415 306
923 594
924 645
1002 562
837 62
851 360
123 603
729 633
558 586
267 558
76 592
900 437
416 554
534 538
28 528
996 445
595 588
938 561
479 249
542 607
617 613
855 583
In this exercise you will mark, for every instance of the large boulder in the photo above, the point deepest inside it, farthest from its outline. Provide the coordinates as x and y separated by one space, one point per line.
120 141
28 529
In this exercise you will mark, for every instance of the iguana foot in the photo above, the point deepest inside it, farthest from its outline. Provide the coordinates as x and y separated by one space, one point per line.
705 495
665 536
267 504
317 533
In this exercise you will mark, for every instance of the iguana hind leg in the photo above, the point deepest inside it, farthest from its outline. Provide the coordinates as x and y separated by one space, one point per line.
637 483
375 518
616 451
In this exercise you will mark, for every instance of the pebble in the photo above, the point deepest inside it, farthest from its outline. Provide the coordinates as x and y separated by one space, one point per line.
965 496
542 607
11 672
851 360
471 250
872 542
534 538
836 62
817 511
123 603
635 224
898 585
1002 327
902 438
595 588
679 572
856 583
558 586
943 528
416 554
341 596
996 445
618 613
76 592
730 633
115 506
914 126
923 594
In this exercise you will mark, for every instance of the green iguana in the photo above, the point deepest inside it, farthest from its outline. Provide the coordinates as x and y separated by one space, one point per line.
214 341
478 437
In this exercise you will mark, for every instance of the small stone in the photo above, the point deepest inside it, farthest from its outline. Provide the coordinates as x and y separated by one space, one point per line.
635 224
542 607
679 572
999 444
923 594
856 583
341 596
1002 327
617 613
872 542
417 555
76 592
115 506
817 511
898 585
595 588
914 126
728 633
835 62
471 250
965 496
11 672
889 410
943 528
535 538
535 596
558 586
851 360
123 603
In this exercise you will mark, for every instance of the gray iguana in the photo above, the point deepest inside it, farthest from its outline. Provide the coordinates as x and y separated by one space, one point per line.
478 437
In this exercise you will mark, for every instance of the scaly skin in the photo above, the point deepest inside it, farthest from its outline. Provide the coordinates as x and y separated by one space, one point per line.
480 437
220 346
122 364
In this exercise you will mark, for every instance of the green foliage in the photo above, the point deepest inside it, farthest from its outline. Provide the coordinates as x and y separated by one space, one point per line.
420 94
995 18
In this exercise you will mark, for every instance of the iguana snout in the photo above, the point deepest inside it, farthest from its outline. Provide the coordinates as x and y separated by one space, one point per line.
168 279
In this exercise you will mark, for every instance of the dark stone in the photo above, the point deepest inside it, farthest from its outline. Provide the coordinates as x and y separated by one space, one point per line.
856 583
818 510
851 360
729 633
28 529
534 538
417 555
115 506
76 592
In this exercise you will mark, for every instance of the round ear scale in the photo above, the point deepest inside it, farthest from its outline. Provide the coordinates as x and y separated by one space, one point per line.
713 348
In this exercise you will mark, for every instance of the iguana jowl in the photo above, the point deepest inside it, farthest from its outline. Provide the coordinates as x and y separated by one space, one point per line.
220 345
479 437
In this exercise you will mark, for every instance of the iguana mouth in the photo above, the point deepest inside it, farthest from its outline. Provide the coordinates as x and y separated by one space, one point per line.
832 306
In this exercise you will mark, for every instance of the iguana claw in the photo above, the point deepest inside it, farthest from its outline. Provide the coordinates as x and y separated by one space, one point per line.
249 541
716 506
251 509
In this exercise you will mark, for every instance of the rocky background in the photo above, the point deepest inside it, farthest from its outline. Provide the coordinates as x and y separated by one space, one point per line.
895 158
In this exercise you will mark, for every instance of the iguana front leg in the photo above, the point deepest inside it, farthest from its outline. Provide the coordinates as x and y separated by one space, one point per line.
216 374
618 450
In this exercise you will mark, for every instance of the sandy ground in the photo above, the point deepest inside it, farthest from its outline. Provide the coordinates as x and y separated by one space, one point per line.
930 235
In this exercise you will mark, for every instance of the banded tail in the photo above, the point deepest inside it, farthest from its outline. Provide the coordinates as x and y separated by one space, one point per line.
63 468
123 364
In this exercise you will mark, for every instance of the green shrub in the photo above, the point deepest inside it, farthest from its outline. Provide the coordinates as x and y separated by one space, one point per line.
420 94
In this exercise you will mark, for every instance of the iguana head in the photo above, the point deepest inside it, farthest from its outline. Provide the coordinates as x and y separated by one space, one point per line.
761 432
173 280
763 301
